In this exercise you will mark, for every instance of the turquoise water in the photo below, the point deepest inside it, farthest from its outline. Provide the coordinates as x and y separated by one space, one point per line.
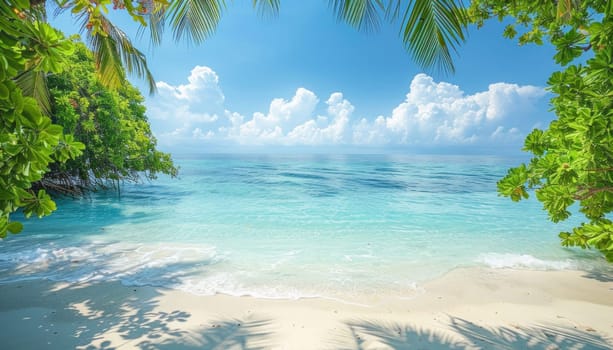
295 226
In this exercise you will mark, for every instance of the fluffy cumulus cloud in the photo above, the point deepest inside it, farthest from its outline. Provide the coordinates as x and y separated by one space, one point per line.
442 114
282 117
433 114
189 110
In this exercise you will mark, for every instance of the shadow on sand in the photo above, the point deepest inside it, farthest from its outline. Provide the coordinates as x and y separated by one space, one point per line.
100 315
599 276
459 333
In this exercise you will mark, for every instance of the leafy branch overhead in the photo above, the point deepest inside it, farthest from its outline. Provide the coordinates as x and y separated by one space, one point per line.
572 160
29 141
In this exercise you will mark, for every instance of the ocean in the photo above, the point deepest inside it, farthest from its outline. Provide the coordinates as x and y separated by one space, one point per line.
296 226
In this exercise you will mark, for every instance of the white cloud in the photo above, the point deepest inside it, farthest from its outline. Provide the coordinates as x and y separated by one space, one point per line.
176 112
441 114
282 117
198 133
433 114
202 86
321 131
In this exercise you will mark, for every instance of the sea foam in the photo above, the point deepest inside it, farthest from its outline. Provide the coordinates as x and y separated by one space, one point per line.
524 261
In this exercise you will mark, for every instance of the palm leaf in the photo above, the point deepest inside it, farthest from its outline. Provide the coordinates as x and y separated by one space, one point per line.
431 30
113 51
156 22
364 15
267 7
34 84
194 20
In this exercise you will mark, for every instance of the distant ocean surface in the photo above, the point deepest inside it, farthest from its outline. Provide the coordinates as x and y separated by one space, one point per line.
296 226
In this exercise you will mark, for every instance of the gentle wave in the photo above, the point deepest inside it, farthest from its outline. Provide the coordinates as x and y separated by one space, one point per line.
135 264
525 261
197 270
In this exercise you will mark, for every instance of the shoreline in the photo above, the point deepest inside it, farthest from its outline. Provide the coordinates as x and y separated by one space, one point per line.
467 308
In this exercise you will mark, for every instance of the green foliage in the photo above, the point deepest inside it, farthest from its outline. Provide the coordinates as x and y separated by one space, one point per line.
28 139
113 51
573 158
33 150
112 125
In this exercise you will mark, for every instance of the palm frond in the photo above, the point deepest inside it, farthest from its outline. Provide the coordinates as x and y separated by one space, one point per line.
267 7
364 15
113 51
194 20
34 84
156 22
431 30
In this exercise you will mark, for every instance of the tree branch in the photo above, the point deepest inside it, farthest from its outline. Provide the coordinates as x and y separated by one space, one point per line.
587 193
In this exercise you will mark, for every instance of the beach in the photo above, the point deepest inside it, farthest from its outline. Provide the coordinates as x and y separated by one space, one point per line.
467 308
305 252
293 186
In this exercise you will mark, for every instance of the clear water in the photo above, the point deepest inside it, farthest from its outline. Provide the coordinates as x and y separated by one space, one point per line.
296 226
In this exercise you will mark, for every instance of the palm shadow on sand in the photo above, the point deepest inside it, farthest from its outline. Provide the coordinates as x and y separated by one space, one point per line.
366 334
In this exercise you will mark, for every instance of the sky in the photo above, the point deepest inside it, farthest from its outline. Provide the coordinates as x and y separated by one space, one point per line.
303 82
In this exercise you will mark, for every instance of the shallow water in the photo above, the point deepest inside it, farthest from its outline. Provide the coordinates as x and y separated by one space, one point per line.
296 226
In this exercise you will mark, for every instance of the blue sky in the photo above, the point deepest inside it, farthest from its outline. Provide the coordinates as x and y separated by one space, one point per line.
303 81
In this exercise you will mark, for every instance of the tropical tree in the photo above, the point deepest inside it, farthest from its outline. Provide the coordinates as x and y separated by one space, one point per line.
572 160
112 124
29 142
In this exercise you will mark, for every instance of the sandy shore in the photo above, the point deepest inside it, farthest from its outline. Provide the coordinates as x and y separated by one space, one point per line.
465 309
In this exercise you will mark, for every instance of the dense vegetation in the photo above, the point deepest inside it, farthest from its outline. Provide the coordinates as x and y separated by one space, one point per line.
111 124
41 129
573 159
28 139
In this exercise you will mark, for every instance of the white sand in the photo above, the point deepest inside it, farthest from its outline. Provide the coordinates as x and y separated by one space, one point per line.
466 309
